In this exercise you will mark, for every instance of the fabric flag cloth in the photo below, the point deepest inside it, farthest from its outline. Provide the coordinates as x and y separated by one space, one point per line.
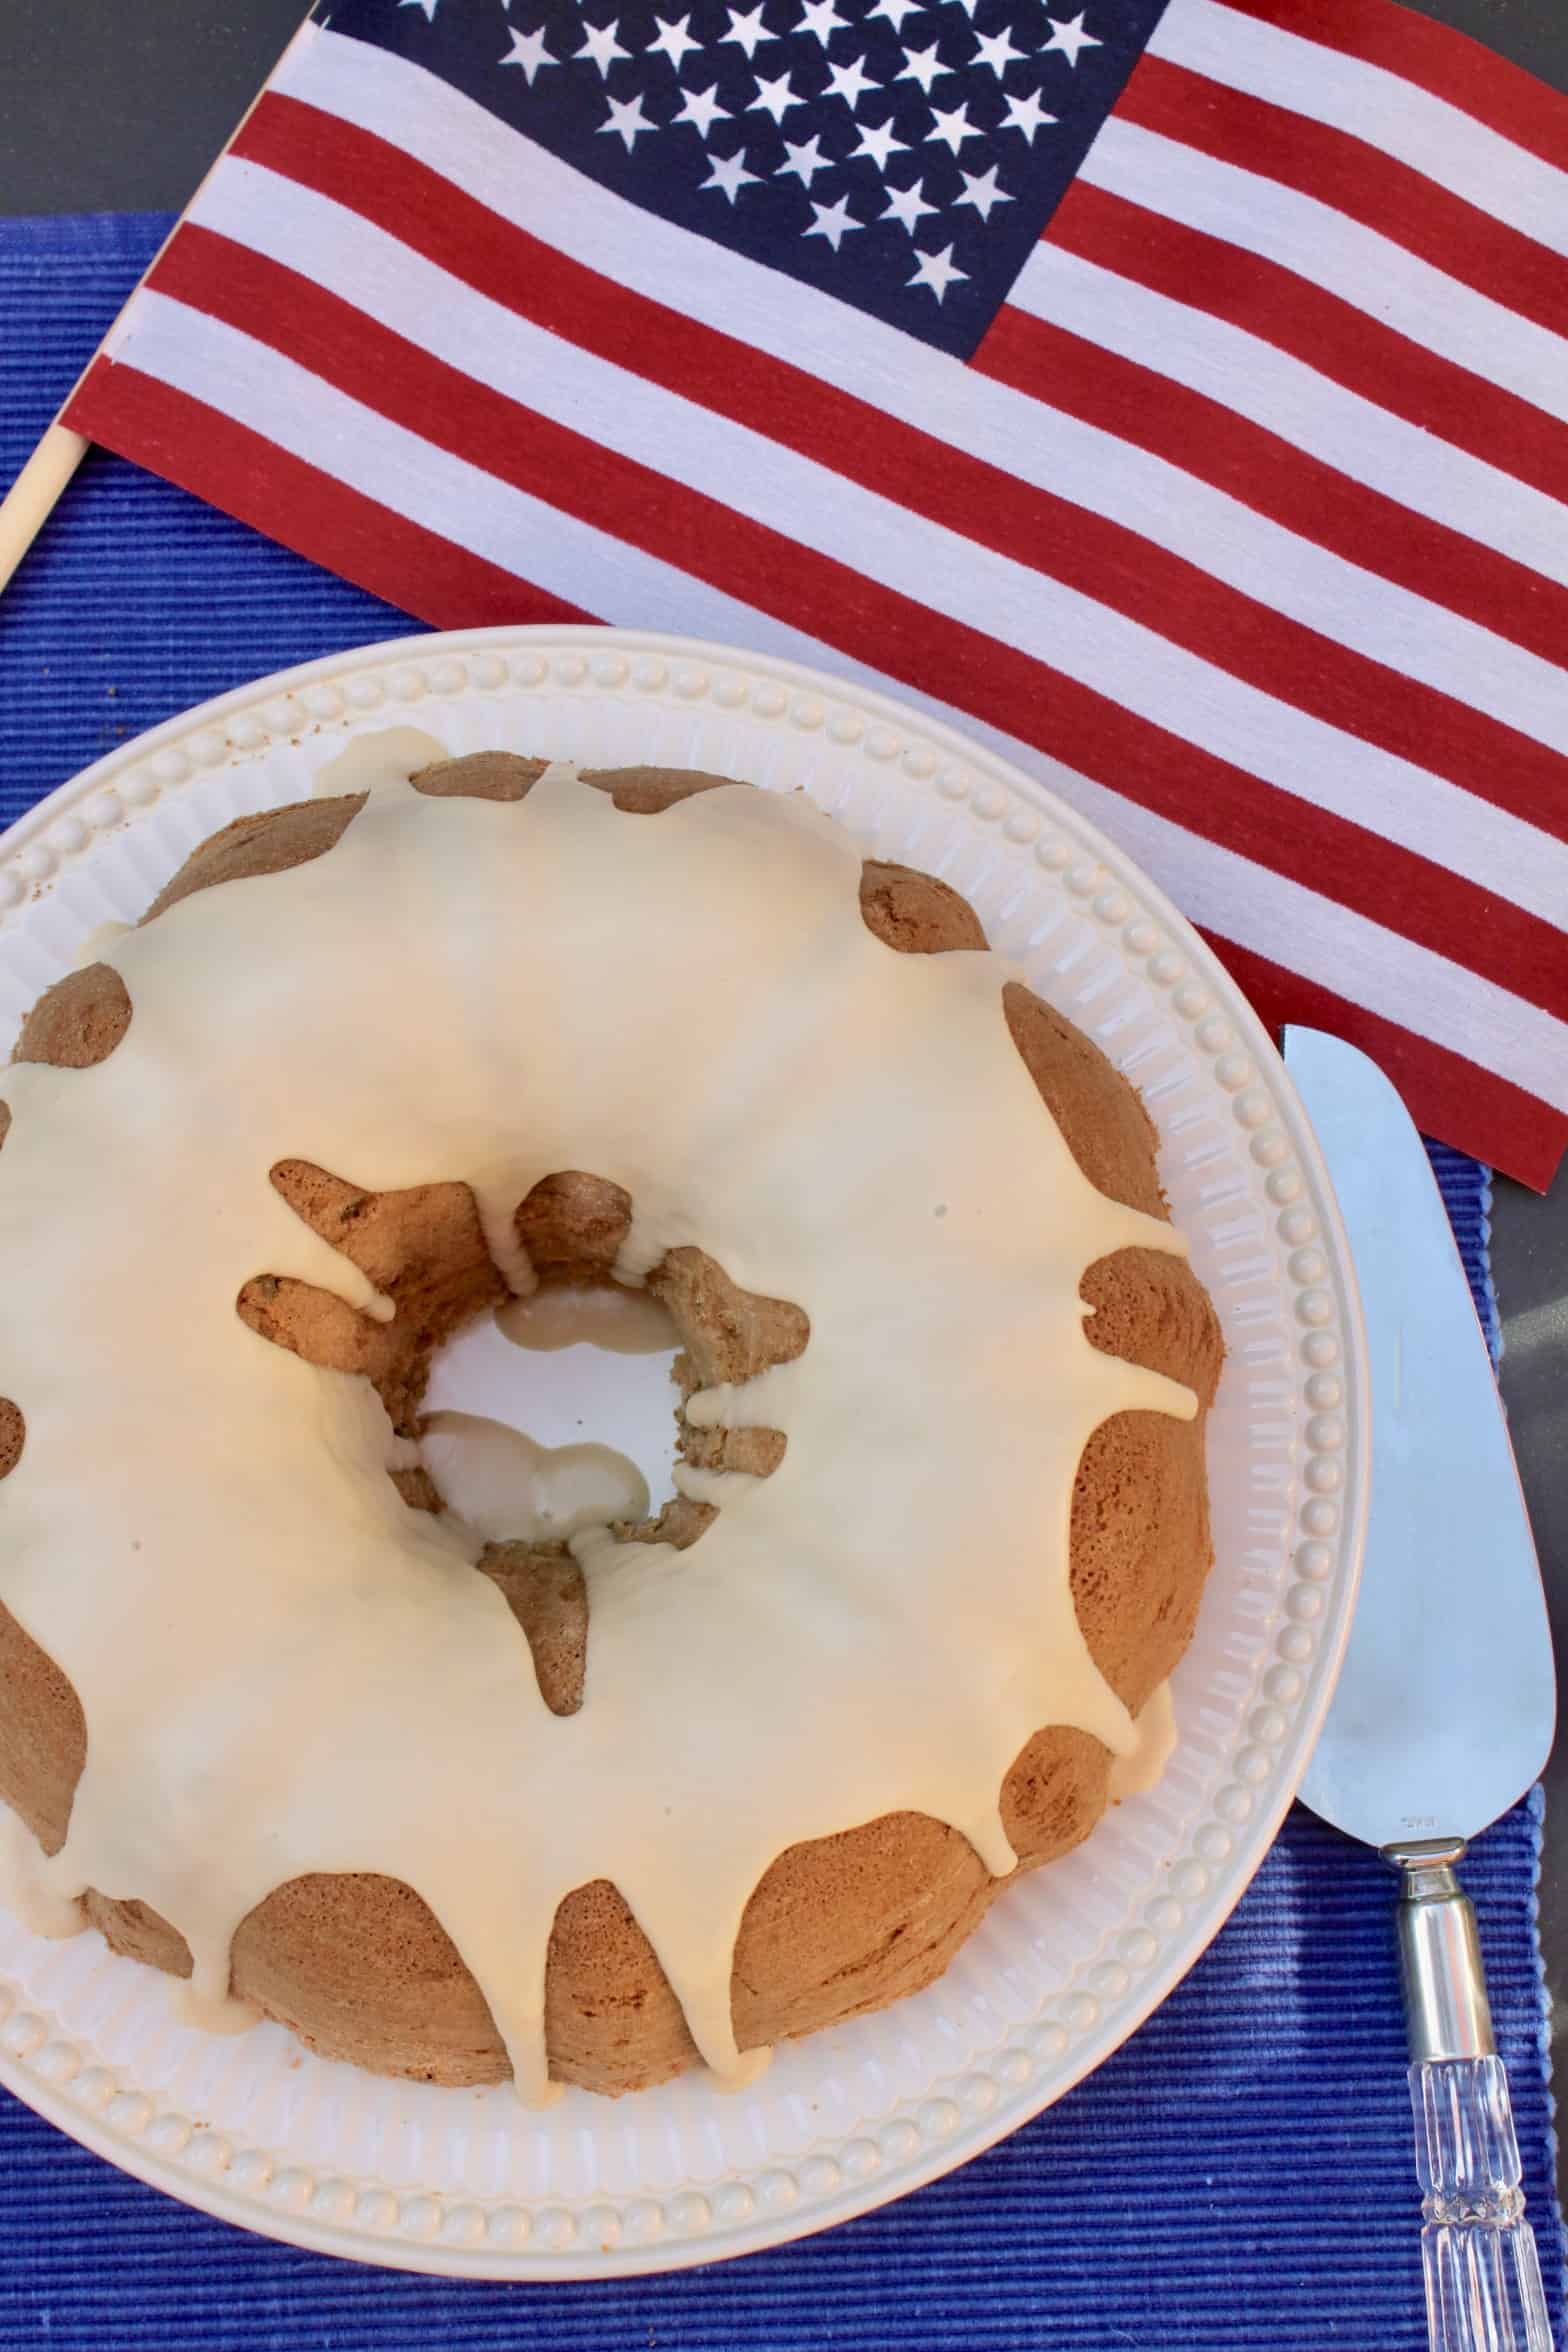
1176 396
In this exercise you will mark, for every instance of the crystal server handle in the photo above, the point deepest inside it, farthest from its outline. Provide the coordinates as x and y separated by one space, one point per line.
1478 2253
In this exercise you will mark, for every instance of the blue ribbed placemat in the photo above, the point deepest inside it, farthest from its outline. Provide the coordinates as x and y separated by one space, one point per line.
1238 2176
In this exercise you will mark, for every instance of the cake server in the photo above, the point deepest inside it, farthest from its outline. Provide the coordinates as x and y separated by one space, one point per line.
1446 1705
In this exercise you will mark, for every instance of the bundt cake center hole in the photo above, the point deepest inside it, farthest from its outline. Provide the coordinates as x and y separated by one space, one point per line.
554 1413
534 1418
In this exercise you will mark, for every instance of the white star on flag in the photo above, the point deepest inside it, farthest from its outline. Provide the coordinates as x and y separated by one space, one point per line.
922 66
602 46
673 38
528 51
878 142
1026 115
895 11
1068 35
747 30
936 270
996 50
429 7
832 220
907 205
805 161
850 82
699 108
627 120
952 124
821 18
981 190
775 97
729 175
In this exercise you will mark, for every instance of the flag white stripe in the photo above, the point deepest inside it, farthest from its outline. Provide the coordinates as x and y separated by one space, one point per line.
813 507
351 257
1309 410
1288 924
1371 272
1347 94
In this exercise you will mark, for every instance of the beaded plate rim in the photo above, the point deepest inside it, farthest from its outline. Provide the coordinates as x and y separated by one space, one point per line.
368 2221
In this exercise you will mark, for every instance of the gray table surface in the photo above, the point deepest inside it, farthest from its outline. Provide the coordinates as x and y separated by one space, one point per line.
120 105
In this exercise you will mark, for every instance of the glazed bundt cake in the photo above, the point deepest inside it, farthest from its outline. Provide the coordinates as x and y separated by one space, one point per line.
277 1721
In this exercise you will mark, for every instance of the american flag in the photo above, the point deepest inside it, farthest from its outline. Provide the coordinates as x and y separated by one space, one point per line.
1175 396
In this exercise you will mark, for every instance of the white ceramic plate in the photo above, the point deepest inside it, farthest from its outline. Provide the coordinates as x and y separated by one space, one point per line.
1069 1961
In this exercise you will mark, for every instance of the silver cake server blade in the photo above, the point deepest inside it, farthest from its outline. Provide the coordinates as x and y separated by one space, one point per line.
1446 1705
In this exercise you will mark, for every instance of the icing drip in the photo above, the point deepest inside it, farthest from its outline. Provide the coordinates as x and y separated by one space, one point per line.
40 1910
626 1322
507 1488
1154 1732
282 1668
99 943
380 761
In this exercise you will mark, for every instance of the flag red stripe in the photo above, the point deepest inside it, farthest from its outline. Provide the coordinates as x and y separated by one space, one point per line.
1318 328
1445 63
1446 1094
1356 179
1101 559
209 454
1269 474
885 630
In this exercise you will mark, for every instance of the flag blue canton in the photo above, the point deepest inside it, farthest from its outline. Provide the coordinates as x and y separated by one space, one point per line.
902 156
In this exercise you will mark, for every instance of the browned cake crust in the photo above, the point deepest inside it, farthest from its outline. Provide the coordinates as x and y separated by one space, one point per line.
357 1965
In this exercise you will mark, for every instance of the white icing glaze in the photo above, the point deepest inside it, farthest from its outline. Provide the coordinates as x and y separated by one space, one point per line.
282 1668
35 1904
1154 1729
381 760
506 1487
627 1322
99 943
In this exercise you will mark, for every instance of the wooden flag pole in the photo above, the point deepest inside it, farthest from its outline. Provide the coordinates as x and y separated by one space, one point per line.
34 495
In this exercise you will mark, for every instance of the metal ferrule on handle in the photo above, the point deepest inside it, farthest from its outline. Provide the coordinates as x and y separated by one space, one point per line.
1483 2275
1447 2014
